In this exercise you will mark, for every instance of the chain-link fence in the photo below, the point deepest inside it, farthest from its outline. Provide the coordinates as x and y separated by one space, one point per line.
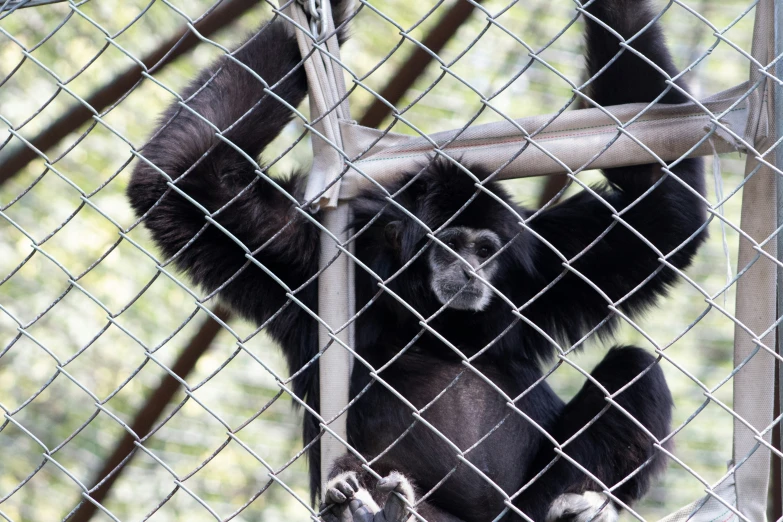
474 332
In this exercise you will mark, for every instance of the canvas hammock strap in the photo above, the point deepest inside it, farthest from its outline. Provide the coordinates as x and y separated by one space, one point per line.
742 493
754 332
315 33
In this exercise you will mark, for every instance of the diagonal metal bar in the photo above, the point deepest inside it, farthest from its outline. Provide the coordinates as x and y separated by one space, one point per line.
148 414
105 96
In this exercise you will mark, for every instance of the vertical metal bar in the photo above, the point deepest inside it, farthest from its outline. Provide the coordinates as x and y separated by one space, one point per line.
778 114
757 297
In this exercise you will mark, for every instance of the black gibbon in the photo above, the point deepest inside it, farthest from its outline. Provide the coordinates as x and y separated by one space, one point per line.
495 443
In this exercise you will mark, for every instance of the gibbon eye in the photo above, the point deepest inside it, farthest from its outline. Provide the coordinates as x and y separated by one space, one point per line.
451 244
483 252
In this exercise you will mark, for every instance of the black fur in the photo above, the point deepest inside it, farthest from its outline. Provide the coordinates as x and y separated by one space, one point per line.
254 211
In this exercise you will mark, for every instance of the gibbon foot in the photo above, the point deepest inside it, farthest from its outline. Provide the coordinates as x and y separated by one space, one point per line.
348 501
590 506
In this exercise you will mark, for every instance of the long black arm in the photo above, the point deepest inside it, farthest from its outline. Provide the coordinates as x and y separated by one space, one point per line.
235 202
666 217
238 201
216 175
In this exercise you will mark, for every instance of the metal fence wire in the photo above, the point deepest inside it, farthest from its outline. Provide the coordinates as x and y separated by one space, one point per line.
174 308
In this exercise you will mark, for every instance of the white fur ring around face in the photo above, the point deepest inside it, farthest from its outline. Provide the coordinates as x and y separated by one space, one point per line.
590 506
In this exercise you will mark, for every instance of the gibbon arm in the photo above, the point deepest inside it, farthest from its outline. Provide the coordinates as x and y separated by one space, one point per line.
225 183
666 217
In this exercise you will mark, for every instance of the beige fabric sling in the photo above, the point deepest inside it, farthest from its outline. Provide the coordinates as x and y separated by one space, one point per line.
756 290
326 89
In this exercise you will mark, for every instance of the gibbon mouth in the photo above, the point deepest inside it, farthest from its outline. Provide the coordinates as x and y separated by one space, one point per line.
472 296
468 290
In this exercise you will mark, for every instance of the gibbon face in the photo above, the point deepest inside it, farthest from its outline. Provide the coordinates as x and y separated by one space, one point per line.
452 279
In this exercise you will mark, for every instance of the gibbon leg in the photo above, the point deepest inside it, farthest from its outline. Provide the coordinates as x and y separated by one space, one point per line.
613 447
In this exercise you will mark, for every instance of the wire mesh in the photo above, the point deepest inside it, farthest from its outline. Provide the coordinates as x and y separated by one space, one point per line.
128 393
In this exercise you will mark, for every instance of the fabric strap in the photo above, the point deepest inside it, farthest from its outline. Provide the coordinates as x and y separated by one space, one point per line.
328 105
754 335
